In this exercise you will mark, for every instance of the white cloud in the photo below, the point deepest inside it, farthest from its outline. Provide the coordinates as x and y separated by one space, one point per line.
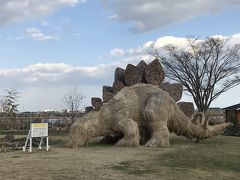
134 55
114 16
117 52
235 39
62 74
141 52
37 35
13 11
54 74
76 34
20 37
45 23
148 15
169 40
46 83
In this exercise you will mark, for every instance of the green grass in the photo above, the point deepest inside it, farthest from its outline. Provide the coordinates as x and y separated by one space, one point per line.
127 167
205 157
123 166
219 154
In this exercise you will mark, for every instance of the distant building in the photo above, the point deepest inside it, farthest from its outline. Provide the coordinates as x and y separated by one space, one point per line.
233 114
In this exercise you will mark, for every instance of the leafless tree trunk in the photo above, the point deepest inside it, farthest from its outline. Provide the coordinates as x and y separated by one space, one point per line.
72 100
205 68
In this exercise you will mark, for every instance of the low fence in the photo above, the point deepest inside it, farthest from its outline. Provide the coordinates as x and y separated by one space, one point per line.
23 120
216 116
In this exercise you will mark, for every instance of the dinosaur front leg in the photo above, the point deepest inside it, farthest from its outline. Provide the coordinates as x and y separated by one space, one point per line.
129 128
157 114
159 137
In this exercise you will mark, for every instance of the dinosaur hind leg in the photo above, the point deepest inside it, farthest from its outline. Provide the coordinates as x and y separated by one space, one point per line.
129 128
157 115
160 138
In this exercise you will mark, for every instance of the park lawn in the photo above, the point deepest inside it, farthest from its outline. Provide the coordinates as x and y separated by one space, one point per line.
216 158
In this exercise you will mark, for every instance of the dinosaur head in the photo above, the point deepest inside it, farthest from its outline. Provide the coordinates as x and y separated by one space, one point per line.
199 119
216 130
78 135
84 129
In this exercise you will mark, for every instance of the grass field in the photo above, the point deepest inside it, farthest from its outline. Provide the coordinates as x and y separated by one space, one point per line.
214 159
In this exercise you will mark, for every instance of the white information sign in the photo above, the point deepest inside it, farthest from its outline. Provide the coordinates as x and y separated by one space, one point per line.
39 129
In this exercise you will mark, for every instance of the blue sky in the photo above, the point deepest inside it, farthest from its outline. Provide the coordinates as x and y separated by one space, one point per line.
48 47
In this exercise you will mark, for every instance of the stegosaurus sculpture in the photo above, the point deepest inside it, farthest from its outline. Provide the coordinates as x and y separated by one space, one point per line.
135 110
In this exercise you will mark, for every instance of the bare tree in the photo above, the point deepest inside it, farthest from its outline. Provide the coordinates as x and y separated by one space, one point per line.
205 68
72 100
9 104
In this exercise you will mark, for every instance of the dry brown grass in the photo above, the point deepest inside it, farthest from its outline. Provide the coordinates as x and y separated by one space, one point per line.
216 158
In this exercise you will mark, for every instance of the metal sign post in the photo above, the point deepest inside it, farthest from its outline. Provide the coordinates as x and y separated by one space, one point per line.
37 130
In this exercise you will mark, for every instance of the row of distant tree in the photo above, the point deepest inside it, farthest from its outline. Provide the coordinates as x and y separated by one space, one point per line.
9 103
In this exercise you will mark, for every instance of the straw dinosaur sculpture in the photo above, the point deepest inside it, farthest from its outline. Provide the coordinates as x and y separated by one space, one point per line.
135 110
